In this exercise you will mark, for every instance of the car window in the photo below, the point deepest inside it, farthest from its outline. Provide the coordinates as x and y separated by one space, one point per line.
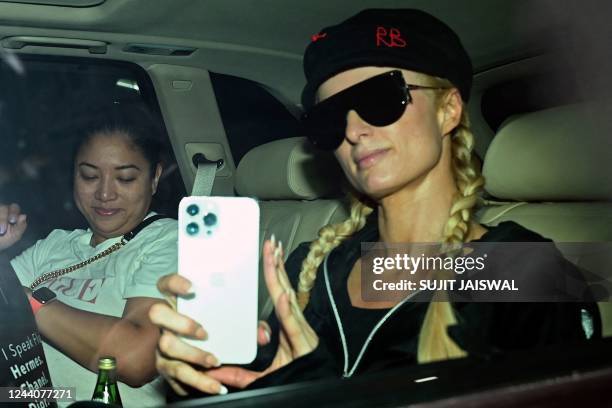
43 103
527 94
251 115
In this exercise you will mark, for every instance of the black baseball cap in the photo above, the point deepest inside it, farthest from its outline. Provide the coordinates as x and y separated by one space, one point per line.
402 38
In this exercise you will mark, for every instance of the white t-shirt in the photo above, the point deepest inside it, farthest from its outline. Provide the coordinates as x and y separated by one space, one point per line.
103 287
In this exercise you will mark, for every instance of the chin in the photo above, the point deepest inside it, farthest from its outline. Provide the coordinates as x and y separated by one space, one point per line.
377 191
377 181
379 195
108 230
107 225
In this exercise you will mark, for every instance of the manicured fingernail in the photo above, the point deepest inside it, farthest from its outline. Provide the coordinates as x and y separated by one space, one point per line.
280 248
187 286
212 361
222 390
273 240
12 219
268 338
200 332
2 229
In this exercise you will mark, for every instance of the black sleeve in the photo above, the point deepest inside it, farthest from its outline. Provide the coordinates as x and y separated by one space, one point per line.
506 326
314 365
568 319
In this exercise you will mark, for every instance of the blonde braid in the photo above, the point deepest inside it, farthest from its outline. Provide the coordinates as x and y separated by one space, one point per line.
469 182
434 341
330 237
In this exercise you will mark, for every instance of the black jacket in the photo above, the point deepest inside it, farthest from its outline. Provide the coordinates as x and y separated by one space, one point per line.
482 329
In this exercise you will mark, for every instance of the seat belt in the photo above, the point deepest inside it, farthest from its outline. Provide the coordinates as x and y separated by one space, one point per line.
205 175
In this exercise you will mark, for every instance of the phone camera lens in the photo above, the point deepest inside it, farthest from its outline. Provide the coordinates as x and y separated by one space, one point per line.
210 220
192 228
193 210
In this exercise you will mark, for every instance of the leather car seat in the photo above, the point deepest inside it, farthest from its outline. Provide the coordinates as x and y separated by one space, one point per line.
551 171
299 190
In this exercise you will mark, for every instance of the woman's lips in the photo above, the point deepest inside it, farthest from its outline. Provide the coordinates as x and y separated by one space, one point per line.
371 158
106 212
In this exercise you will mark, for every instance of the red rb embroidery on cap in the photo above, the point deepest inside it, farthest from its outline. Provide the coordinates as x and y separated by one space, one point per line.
317 37
389 37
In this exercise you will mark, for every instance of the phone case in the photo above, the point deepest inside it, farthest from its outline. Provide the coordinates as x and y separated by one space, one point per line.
218 251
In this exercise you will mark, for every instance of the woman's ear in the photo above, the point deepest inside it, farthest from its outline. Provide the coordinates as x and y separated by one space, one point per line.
156 177
450 111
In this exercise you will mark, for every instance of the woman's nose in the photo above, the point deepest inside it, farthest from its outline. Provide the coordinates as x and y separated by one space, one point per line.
106 190
356 127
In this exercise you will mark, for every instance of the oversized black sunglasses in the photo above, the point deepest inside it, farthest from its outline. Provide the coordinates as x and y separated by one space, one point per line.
380 101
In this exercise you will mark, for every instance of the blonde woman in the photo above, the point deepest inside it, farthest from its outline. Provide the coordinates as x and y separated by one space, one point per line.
386 92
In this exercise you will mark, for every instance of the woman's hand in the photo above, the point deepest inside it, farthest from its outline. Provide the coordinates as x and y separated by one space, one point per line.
12 225
175 357
296 337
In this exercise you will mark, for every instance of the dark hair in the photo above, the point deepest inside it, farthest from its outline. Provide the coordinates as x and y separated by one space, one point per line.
137 124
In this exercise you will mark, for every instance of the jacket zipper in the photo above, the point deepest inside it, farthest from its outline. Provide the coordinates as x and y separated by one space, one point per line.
346 372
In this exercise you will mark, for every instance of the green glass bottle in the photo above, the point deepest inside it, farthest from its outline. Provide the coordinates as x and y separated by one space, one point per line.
106 390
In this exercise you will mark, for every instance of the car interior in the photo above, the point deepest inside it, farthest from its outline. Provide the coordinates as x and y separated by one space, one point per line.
225 78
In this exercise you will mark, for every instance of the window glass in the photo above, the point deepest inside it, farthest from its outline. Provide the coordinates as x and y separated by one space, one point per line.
527 94
251 115
43 104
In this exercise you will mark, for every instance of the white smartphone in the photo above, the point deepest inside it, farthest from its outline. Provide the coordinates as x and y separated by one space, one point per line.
218 251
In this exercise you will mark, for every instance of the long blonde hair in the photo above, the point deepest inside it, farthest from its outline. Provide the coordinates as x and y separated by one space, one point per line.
434 342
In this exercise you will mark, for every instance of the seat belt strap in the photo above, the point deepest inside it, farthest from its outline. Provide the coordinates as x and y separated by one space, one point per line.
205 175
204 179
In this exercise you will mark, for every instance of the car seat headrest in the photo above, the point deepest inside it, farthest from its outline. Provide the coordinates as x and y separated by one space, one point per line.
288 169
558 154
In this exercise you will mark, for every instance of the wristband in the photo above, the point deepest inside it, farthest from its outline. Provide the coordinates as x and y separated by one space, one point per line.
35 305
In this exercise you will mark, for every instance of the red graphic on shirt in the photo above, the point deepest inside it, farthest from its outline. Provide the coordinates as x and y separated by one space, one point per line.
86 290
317 37
391 37
90 290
